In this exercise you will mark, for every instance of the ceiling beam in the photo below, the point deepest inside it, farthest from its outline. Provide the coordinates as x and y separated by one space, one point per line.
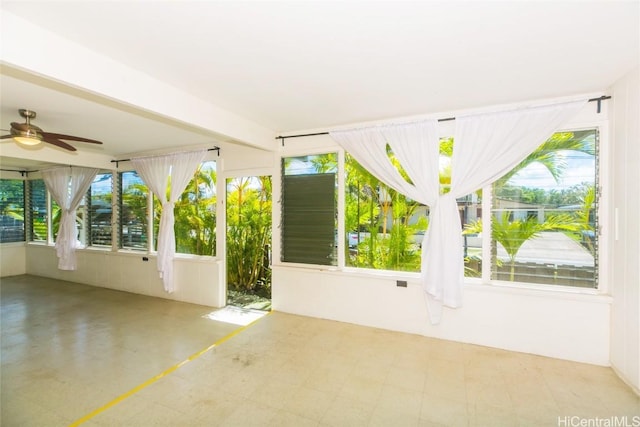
32 49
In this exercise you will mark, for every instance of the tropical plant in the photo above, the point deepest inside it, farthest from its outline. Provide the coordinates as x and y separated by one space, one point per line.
195 212
511 234
550 153
383 215
249 234
584 218
133 214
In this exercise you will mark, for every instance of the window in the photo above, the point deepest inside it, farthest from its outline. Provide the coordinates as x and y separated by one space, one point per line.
195 213
12 210
309 209
133 212
384 228
99 198
544 215
38 210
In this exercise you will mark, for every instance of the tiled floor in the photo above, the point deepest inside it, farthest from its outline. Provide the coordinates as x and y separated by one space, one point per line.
77 353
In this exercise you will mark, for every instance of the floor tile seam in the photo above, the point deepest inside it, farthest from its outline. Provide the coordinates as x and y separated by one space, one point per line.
163 374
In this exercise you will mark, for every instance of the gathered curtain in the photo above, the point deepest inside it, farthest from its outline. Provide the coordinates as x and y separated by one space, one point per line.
168 174
68 186
486 146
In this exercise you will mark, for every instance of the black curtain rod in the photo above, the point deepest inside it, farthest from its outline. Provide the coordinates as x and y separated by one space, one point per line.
128 160
598 100
23 173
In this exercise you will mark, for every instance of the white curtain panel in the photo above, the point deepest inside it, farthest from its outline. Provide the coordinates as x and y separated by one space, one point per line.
68 186
415 145
486 146
157 172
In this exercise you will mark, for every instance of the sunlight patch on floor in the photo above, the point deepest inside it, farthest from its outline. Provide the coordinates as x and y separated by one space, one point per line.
236 315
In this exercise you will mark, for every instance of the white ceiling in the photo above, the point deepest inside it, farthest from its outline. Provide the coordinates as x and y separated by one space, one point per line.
301 65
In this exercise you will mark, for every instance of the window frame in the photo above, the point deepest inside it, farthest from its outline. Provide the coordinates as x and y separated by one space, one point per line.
88 221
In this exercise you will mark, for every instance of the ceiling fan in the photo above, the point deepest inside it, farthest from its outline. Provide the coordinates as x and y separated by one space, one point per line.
28 134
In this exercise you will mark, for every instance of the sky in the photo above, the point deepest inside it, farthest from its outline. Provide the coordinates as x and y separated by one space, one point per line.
580 168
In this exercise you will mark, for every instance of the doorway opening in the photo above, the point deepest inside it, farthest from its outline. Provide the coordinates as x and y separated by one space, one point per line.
248 213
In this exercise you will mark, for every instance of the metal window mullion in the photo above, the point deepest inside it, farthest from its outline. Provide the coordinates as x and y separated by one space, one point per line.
28 212
487 214
341 209
151 238
596 210
115 210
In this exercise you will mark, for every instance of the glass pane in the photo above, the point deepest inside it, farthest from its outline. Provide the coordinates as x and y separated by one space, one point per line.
470 208
38 196
56 214
545 215
11 210
100 196
195 213
384 228
133 211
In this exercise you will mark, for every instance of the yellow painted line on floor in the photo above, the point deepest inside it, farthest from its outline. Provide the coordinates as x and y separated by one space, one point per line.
162 374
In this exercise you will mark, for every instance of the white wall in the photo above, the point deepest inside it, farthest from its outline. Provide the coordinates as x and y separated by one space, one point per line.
549 323
197 280
12 259
625 286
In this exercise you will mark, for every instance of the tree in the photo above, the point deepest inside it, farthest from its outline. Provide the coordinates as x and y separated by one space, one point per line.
249 234
512 234
195 214
550 153
384 215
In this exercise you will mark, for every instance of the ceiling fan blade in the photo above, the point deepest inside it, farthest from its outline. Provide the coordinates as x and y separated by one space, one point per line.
6 136
59 143
47 135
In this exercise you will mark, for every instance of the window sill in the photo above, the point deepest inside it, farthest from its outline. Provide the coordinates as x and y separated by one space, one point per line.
471 284
10 244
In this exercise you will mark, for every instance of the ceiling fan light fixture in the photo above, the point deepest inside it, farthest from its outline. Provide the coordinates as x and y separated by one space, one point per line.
27 140
31 135
27 137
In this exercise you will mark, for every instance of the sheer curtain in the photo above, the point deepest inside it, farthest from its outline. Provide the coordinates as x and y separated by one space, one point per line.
415 145
486 146
68 186
174 170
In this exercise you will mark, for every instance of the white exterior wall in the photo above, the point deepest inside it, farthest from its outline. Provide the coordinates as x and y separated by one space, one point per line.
625 257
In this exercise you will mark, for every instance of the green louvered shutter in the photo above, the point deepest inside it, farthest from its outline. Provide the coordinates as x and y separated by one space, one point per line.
308 219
